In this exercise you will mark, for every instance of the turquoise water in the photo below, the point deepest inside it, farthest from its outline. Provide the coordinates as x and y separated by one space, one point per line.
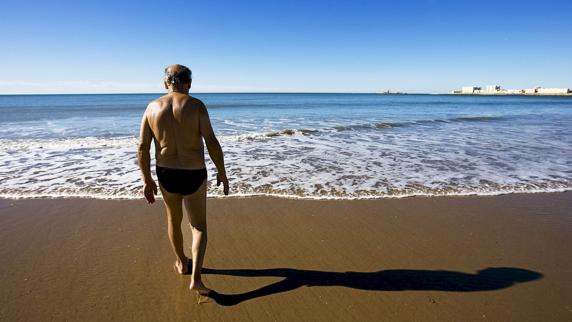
299 145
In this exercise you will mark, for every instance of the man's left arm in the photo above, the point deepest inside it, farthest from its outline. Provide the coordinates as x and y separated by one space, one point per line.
144 160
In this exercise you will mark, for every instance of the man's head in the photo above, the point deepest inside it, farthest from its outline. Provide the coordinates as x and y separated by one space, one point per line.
178 78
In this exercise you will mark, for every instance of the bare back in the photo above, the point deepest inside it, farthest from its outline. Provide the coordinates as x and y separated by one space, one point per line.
174 120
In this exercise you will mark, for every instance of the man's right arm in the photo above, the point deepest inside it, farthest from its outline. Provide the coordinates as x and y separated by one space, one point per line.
213 146
144 160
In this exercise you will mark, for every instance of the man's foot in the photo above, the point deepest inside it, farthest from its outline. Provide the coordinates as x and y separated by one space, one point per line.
182 267
200 288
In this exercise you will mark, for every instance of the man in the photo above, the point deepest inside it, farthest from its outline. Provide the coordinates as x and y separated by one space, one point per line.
178 123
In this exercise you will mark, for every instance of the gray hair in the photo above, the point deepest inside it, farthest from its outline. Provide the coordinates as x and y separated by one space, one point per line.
176 75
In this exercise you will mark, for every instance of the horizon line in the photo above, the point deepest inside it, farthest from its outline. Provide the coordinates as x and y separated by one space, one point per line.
238 92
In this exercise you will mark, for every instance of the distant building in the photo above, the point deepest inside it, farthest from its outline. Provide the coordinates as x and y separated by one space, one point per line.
497 90
552 90
531 90
513 91
470 90
491 89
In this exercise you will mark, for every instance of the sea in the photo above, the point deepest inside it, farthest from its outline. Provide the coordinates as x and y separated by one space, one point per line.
310 146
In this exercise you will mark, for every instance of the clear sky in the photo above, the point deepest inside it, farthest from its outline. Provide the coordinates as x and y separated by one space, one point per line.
303 46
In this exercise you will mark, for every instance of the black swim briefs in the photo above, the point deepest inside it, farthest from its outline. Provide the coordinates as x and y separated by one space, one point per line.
181 181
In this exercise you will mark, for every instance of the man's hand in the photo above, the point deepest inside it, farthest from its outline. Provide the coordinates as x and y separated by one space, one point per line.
221 178
150 191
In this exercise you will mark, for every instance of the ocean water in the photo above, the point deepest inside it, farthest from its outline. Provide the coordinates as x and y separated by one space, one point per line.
298 145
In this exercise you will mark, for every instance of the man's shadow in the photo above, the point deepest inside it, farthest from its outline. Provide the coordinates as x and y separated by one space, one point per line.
489 279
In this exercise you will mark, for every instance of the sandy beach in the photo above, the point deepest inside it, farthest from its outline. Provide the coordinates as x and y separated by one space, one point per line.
496 258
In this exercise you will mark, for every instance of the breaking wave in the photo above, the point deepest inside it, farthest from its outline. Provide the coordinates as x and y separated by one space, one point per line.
354 127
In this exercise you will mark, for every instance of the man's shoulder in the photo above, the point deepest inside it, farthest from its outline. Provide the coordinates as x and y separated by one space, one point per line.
158 101
195 101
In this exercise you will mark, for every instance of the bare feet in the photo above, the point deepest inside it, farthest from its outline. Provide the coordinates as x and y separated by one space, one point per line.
182 267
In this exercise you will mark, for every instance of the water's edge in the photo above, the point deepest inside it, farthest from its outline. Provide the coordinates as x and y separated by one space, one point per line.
294 197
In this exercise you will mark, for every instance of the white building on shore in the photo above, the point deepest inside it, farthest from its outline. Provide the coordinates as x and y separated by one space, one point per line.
531 90
492 89
560 91
471 90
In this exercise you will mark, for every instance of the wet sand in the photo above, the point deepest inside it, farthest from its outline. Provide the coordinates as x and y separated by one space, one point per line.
495 258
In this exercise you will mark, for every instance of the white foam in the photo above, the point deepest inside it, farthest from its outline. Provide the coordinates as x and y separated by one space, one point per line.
276 195
329 164
66 143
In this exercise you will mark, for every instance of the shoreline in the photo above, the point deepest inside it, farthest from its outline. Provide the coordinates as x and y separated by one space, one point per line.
500 257
290 197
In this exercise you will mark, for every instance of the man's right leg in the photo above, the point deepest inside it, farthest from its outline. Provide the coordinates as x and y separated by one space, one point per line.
173 203
196 205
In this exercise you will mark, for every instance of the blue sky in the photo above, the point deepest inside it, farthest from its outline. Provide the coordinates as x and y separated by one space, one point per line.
302 46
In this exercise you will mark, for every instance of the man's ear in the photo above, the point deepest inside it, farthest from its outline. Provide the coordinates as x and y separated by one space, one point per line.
166 85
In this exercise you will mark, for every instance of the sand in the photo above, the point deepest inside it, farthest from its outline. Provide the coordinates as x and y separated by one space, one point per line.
496 258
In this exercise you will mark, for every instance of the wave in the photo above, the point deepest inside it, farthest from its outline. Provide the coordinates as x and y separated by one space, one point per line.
71 143
353 127
263 136
387 125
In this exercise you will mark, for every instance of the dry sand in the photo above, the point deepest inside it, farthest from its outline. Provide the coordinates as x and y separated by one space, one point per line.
448 259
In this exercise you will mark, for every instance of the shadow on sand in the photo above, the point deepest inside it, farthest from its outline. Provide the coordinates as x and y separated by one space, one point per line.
489 279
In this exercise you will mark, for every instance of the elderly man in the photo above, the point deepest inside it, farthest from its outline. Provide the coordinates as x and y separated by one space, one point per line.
178 123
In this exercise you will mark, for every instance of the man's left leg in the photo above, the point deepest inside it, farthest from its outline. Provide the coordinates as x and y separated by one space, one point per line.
196 206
